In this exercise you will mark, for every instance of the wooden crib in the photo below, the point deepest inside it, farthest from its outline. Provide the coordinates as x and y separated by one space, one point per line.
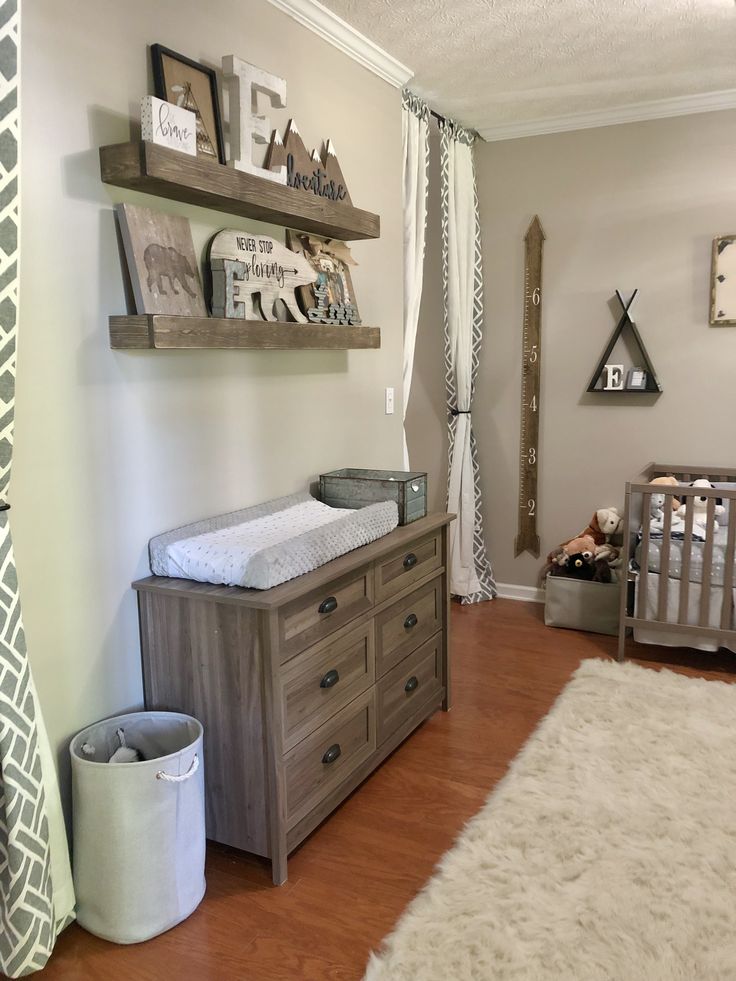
682 590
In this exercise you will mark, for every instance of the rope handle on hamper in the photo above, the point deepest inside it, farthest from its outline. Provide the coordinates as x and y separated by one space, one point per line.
185 776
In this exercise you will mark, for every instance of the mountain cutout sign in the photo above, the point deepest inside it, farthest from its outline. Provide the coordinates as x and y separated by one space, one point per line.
312 173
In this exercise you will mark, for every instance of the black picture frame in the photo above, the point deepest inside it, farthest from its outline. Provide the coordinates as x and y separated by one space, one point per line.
641 385
161 90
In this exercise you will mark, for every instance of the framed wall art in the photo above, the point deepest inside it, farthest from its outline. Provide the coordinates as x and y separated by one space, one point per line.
636 380
163 267
723 282
189 85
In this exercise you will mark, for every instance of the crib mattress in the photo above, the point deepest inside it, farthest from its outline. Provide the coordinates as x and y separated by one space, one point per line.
262 546
697 548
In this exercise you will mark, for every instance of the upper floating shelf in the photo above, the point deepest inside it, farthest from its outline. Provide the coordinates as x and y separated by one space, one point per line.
168 173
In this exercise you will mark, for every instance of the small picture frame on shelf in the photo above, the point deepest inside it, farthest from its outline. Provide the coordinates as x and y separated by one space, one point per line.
190 85
636 380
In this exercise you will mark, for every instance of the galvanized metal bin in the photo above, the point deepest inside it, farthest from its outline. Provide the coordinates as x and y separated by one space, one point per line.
354 488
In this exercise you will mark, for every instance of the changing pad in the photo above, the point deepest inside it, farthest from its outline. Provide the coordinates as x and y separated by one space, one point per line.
262 546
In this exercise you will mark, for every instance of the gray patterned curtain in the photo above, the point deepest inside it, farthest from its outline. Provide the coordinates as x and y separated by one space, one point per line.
471 575
36 894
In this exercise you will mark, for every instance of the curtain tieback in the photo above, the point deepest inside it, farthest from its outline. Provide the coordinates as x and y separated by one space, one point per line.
4 506
459 412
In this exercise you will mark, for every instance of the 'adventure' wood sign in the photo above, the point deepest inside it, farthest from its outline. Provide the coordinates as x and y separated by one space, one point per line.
287 161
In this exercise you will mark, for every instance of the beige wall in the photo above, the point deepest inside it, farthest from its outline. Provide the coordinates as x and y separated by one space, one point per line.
624 206
112 448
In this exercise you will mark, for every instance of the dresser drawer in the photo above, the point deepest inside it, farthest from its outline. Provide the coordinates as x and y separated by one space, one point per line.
408 686
318 683
408 566
317 614
323 760
406 624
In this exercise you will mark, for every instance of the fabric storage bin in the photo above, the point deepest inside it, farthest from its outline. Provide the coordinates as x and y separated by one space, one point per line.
581 605
355 488
139 833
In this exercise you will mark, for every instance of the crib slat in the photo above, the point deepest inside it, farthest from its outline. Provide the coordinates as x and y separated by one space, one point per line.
644 554
707 562
664 560
728 568
687 547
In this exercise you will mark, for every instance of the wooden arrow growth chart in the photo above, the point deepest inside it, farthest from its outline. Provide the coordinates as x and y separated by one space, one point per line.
527 539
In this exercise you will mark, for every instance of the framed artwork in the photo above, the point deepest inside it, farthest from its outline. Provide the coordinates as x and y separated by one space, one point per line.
163 268
723 282
192 86
331 298
636 380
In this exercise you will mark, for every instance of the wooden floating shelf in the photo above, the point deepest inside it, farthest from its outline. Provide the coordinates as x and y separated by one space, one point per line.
168 173
161 333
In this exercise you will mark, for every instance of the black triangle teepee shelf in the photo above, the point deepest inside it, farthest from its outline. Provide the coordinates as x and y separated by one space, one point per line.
652 386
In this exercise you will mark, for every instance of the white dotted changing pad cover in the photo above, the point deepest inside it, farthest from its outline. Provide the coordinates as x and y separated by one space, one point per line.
262 546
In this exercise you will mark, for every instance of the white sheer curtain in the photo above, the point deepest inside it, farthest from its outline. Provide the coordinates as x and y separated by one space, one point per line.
415 142
36 892
471 576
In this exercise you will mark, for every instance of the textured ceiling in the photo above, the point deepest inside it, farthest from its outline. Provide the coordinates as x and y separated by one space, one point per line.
496 62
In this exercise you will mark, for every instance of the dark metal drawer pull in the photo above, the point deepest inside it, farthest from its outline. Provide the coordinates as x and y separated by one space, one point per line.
411 621
331 678
410 561
412 683
332 754
327 605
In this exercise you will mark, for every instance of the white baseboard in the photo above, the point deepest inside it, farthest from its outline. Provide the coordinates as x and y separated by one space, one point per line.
529 594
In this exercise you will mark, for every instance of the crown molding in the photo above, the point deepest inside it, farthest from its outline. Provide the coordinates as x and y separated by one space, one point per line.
338 32
634 113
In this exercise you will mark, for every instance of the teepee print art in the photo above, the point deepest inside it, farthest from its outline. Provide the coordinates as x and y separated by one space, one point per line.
185 99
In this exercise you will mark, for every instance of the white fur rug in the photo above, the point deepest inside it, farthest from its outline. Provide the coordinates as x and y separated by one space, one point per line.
608 851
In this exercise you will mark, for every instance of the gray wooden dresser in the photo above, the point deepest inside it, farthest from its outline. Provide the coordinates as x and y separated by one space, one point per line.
303 689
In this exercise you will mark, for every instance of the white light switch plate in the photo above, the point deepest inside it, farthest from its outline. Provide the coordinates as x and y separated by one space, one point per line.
389 401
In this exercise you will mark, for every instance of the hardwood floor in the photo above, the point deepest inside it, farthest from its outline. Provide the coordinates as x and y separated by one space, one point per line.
349 881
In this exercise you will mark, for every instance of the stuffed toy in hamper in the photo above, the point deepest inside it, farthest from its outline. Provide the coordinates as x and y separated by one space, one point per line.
579 578
139 834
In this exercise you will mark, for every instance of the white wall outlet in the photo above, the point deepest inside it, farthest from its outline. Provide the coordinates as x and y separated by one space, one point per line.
389 401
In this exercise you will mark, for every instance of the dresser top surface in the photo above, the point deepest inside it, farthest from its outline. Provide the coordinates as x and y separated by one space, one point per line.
266 599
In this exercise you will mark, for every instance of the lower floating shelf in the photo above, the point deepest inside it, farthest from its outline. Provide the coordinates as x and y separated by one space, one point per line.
160 332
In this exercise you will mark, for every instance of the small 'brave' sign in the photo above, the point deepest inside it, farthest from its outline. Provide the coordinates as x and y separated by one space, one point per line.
168 125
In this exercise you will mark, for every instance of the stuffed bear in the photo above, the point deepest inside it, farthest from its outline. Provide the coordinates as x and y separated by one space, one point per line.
699 504
560 556
580 566
659 499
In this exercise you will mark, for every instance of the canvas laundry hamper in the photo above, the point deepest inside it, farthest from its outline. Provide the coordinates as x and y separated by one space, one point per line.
139 832
581 605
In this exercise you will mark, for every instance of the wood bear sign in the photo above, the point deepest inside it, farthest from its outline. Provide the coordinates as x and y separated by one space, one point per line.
250 273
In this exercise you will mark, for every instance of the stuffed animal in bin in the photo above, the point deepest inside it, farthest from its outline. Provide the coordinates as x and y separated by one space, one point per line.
605 523
699 504
559 557
580 566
